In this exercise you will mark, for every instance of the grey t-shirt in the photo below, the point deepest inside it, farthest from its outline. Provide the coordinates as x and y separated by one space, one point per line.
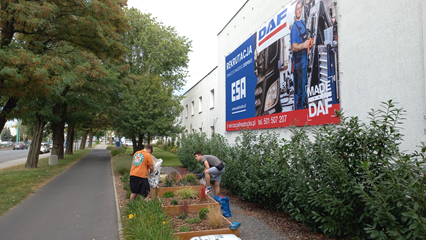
212 160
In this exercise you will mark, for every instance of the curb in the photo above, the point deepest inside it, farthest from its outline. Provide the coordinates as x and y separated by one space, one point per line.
120 226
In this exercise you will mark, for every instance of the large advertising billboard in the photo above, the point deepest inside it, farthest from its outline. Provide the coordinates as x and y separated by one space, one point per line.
287 72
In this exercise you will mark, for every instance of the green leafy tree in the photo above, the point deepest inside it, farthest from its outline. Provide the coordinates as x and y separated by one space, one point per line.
31 31
157 58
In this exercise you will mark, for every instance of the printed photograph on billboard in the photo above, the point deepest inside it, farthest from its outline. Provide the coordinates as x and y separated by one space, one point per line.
287 72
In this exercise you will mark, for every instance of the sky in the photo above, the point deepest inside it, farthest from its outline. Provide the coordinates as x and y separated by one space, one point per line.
198 20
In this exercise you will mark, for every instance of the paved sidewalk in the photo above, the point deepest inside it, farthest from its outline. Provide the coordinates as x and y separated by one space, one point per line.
251 227
77 204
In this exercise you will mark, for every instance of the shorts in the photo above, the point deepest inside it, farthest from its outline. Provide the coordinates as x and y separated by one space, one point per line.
216 175
140 186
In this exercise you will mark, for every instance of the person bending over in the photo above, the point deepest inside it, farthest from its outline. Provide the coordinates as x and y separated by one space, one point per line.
213 170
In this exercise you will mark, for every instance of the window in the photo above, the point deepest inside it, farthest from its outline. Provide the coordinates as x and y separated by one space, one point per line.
192 108
212 98
200 104
186 115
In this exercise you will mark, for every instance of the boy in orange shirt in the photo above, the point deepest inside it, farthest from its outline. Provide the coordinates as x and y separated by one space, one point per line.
142 162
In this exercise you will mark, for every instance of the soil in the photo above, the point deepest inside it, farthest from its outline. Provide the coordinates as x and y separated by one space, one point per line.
167 201
202 226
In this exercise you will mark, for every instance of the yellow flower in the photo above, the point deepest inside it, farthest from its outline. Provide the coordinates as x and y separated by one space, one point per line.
131 216
164 222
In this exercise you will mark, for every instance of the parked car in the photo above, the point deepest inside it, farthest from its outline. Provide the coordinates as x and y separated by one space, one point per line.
128 143
20 145
44 148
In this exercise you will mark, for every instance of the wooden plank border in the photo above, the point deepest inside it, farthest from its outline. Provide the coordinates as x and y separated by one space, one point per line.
189 235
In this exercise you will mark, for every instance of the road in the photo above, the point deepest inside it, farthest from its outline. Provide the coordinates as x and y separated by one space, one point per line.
13 157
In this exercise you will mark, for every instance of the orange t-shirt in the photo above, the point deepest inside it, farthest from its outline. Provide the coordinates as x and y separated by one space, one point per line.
141 160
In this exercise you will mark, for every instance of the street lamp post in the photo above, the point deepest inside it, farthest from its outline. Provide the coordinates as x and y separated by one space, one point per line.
17 132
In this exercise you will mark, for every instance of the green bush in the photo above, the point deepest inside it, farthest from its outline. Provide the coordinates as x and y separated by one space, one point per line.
203 213
117 150
168 194
216 145
344 180
174 202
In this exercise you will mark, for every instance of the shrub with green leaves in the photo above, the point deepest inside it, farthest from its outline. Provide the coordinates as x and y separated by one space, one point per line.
203 213
344 180
216 145
117 150
146 220
174 202
168 194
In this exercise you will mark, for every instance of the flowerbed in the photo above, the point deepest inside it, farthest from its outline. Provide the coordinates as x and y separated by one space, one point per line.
202 228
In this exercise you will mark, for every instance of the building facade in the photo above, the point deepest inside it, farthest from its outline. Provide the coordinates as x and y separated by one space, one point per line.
381 57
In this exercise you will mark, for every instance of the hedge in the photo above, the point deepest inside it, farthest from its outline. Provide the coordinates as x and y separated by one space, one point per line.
349 179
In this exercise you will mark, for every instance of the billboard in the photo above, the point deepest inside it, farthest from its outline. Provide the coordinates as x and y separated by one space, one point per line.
287 72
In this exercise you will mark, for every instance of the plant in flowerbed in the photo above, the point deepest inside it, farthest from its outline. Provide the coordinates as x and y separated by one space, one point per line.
176 181
208 221
146 220
172 202
179 179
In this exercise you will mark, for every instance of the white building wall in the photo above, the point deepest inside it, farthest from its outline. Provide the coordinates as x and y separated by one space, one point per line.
206 120
382 47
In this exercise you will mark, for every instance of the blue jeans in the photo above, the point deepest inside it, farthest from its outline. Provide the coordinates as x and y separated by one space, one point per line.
300 72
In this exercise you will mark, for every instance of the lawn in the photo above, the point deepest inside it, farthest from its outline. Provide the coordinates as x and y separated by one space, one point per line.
18 182
169 159
122 162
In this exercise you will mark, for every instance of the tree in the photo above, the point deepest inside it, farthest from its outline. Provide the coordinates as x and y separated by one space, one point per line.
157 58
148 107
31 29
5 134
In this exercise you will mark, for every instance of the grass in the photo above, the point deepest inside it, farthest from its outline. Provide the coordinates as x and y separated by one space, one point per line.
18 182
169 159
122 162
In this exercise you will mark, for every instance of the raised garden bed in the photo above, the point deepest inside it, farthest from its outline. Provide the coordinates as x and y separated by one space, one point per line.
159 191
194 205
200 229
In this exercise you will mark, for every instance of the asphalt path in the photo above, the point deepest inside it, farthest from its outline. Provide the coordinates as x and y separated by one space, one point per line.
77 204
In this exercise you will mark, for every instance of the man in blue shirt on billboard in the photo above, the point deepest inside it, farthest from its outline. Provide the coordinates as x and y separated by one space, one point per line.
300 41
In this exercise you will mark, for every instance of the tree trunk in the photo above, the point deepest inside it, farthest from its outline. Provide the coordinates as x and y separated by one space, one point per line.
83 141
135 144
90 138
32 159
149 138
70 139
10 105
58 139
140 142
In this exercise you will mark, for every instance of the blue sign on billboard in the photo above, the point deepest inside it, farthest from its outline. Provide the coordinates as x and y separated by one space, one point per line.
241 82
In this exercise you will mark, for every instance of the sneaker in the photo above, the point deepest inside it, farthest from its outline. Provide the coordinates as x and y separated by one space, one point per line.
208 190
